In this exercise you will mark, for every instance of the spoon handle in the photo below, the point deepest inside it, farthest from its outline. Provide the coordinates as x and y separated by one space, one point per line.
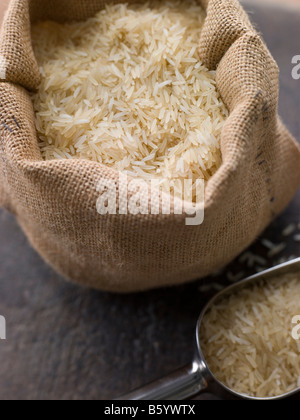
179 385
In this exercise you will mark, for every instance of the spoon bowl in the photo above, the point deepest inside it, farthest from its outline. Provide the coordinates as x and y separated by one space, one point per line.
196 377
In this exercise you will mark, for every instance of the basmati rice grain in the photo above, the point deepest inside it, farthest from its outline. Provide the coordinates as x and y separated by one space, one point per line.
247 341
289 230
138 66
277 250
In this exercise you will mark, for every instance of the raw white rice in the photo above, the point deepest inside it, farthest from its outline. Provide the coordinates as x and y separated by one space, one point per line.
289 230
277 249
126 89
247 338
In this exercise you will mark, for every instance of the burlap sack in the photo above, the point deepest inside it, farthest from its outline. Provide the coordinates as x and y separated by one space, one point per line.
55 202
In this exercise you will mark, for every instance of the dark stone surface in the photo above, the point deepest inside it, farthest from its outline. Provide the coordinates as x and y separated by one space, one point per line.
66 342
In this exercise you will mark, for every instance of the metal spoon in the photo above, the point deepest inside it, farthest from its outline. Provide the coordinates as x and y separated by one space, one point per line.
195 377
